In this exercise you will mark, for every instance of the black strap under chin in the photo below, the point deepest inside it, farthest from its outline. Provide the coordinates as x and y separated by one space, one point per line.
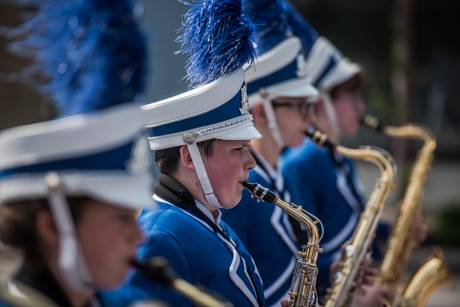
174 192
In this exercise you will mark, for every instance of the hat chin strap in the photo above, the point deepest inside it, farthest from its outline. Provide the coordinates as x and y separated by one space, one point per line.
331 114
272 124
203 176
70 260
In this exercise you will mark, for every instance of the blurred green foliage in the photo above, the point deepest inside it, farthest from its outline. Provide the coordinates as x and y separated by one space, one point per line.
446 228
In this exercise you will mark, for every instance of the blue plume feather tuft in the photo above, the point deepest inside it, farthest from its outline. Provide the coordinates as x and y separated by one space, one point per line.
300 27
216 37
270 23
93 52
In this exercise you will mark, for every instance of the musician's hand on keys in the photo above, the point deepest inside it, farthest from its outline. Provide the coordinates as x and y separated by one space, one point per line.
419 228
374 295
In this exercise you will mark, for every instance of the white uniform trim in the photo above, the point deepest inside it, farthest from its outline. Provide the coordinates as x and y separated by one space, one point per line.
68 137
346 231
275 220
232 271
278 218
280 281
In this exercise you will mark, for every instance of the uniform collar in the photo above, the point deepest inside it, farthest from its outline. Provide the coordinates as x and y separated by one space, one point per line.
266 170
208 213
37 276
175 193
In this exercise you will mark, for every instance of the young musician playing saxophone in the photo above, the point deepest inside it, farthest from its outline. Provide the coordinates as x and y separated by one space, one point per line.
69 192
281 99
201 141
327 183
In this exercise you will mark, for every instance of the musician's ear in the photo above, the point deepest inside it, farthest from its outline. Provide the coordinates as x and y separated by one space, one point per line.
185 158
258 113
46 229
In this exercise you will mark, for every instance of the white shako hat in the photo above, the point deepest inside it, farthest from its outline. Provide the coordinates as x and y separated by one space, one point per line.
96 67
324 63
216 37
279 70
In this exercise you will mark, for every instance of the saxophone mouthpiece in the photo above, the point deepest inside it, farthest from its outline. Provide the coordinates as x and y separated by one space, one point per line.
249 186
320 138
156 269
371 122
260 192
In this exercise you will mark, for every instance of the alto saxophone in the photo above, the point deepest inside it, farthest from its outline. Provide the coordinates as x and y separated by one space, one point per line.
158 270
342 288
400 246
302 292
426 281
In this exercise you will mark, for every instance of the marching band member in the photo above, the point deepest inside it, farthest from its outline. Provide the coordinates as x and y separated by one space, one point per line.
70 187
327 184
281 98
201 143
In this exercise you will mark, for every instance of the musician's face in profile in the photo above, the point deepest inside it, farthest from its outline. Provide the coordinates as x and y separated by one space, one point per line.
227 168
108 237
349 106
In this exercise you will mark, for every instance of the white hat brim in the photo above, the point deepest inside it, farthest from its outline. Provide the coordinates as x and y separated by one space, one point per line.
121 190
306 90
344 71
245 133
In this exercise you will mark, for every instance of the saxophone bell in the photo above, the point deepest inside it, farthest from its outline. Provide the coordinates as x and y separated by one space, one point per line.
433 273
343 288
158 270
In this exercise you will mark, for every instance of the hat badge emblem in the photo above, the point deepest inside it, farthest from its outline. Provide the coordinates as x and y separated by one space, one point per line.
301 66
244 99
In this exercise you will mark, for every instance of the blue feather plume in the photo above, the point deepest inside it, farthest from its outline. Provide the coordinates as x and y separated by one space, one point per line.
93 52
216 37
270 23
300 27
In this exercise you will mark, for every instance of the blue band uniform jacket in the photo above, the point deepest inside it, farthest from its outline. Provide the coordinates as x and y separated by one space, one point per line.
205 254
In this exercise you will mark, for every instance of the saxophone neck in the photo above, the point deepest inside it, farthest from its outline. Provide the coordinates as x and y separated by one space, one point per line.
309 221
373 155
158 270
407 131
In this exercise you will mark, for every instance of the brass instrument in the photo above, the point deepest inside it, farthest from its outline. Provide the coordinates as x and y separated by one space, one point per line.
401 244
425 281
302 292
20 295
342 287
158 270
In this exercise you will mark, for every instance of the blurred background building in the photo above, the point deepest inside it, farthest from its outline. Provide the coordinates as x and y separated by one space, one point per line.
410 52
